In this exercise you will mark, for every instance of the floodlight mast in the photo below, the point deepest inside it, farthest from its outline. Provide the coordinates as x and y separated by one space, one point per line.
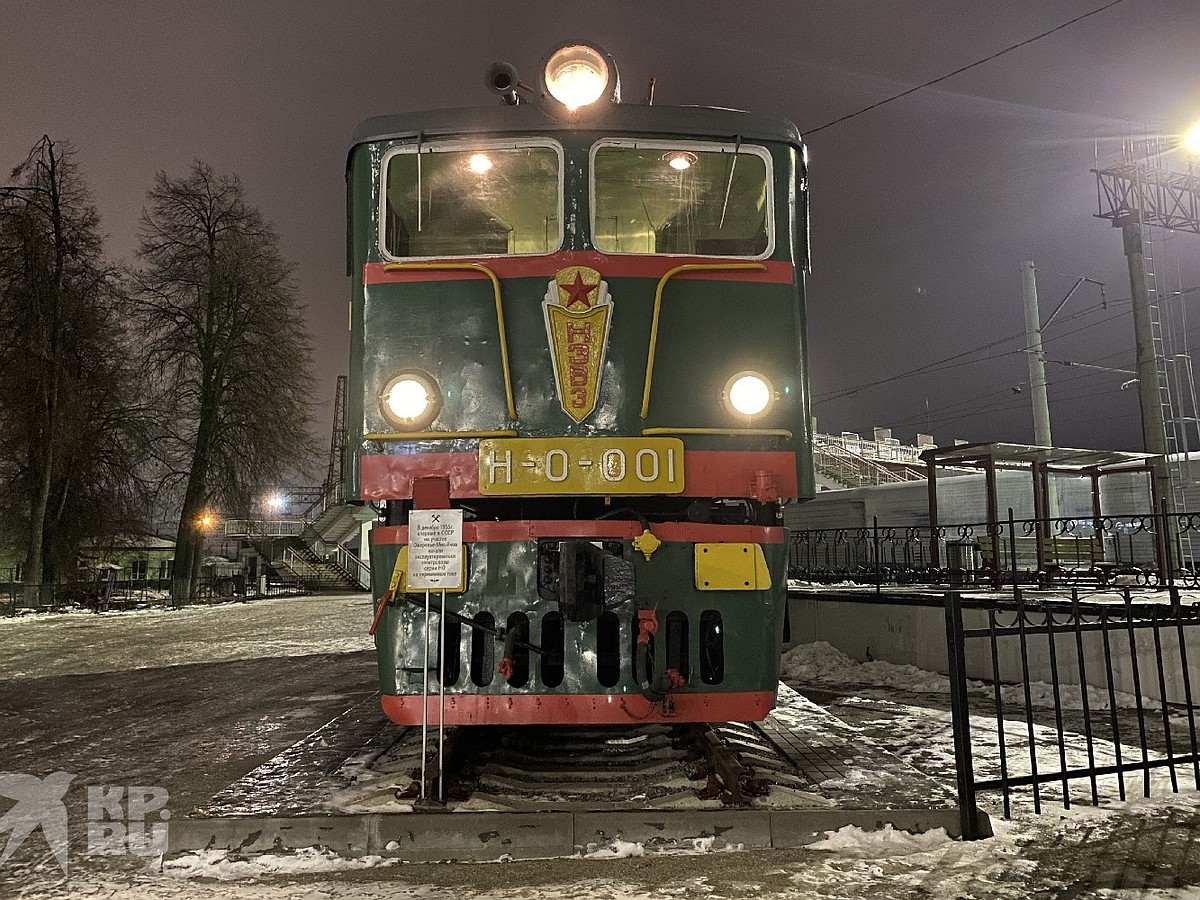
1137 193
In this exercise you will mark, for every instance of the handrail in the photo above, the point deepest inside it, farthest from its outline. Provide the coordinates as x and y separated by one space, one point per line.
473 267
864 470
870 449
658 292
358 569
435 435
251 528
730 432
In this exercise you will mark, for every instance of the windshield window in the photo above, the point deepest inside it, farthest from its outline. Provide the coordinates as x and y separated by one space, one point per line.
473 201
682 198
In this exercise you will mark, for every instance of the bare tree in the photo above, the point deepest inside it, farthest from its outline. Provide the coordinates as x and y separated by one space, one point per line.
228 346
69 452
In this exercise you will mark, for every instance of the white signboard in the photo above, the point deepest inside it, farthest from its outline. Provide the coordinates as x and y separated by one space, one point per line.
435 557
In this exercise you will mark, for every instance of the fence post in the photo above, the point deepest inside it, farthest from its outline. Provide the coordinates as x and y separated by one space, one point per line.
878 567
1012 553
1172 591
960 714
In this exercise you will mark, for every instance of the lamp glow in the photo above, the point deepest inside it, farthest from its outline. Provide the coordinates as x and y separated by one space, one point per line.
1191 140
407 399
679 160
411 400
479 163
576 76
748 394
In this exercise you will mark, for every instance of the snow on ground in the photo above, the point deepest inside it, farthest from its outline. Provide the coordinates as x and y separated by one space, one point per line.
1139 848
85 643
822 663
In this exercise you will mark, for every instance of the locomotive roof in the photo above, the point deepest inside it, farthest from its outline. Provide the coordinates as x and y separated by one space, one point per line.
628 118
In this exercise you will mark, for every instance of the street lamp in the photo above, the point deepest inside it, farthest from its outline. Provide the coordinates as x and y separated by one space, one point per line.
1191 140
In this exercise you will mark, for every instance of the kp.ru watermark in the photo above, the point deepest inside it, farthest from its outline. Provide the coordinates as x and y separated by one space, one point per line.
121 819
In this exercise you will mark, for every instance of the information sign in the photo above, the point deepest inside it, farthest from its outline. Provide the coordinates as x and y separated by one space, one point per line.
435 557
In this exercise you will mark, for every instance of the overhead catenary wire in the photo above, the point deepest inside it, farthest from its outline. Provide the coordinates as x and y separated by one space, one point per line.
961 69
956 360
947 414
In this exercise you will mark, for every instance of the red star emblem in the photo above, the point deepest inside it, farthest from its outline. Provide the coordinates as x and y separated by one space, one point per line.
578 291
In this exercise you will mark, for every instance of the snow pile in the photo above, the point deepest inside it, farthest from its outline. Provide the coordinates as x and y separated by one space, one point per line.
1070 696
887 841
822 662
615 849
225 866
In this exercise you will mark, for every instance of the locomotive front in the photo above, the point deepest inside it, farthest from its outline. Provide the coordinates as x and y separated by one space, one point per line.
581 323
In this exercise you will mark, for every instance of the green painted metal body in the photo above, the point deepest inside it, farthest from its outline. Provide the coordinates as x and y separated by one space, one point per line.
503 581
708 329
711 326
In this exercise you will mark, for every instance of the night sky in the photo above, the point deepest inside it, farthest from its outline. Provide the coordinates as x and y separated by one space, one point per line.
923 209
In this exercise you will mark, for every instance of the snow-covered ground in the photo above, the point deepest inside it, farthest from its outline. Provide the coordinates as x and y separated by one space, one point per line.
1138 848
78 642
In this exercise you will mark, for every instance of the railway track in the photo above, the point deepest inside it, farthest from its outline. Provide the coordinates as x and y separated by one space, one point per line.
544 767
355 786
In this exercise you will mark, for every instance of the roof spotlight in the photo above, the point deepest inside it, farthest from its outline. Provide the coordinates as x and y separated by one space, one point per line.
502 78
578 75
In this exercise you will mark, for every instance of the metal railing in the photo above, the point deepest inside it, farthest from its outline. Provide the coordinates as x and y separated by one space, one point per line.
263 528
1128 552
1078 695
135 593
889 450
349 561
344 564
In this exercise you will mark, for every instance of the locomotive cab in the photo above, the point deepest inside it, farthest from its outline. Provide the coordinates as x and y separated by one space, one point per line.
585 331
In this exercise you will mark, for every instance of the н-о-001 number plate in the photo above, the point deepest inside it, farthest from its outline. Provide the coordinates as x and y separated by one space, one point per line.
535 466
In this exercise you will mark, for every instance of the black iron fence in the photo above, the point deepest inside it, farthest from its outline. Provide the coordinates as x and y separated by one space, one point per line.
1130 552
135 593
1070 697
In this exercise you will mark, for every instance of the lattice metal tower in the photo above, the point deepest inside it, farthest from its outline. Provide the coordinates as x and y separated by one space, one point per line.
337 443
1149 202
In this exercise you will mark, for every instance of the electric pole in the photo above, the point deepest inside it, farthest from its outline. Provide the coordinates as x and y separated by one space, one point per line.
1036 357
1132 195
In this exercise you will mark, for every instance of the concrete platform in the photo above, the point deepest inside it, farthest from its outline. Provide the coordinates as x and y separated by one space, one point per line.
846 778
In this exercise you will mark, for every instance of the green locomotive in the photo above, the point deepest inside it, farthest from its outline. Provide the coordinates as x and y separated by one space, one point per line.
581 323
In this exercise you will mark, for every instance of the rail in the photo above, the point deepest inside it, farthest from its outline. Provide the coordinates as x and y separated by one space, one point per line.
262 528
483 270
359 570
887 450
1133 552
849 468
1120 691
658 295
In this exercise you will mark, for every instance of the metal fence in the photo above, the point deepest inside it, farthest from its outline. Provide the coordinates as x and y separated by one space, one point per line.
1130 552
122 594
1074 696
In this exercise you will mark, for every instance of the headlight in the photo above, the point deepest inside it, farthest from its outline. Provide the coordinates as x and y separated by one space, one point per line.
410 400
748 394
578 75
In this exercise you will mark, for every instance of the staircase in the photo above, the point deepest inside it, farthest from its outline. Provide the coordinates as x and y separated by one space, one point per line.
339 570
850 463
311 549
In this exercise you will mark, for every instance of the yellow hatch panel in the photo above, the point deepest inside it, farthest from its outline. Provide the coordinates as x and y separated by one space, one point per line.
399 580
731 567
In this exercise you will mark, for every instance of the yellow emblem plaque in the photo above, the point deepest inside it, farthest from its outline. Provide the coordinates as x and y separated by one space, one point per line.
578 311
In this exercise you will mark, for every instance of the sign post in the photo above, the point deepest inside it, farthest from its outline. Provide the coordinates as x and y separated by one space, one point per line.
435 562
435 557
